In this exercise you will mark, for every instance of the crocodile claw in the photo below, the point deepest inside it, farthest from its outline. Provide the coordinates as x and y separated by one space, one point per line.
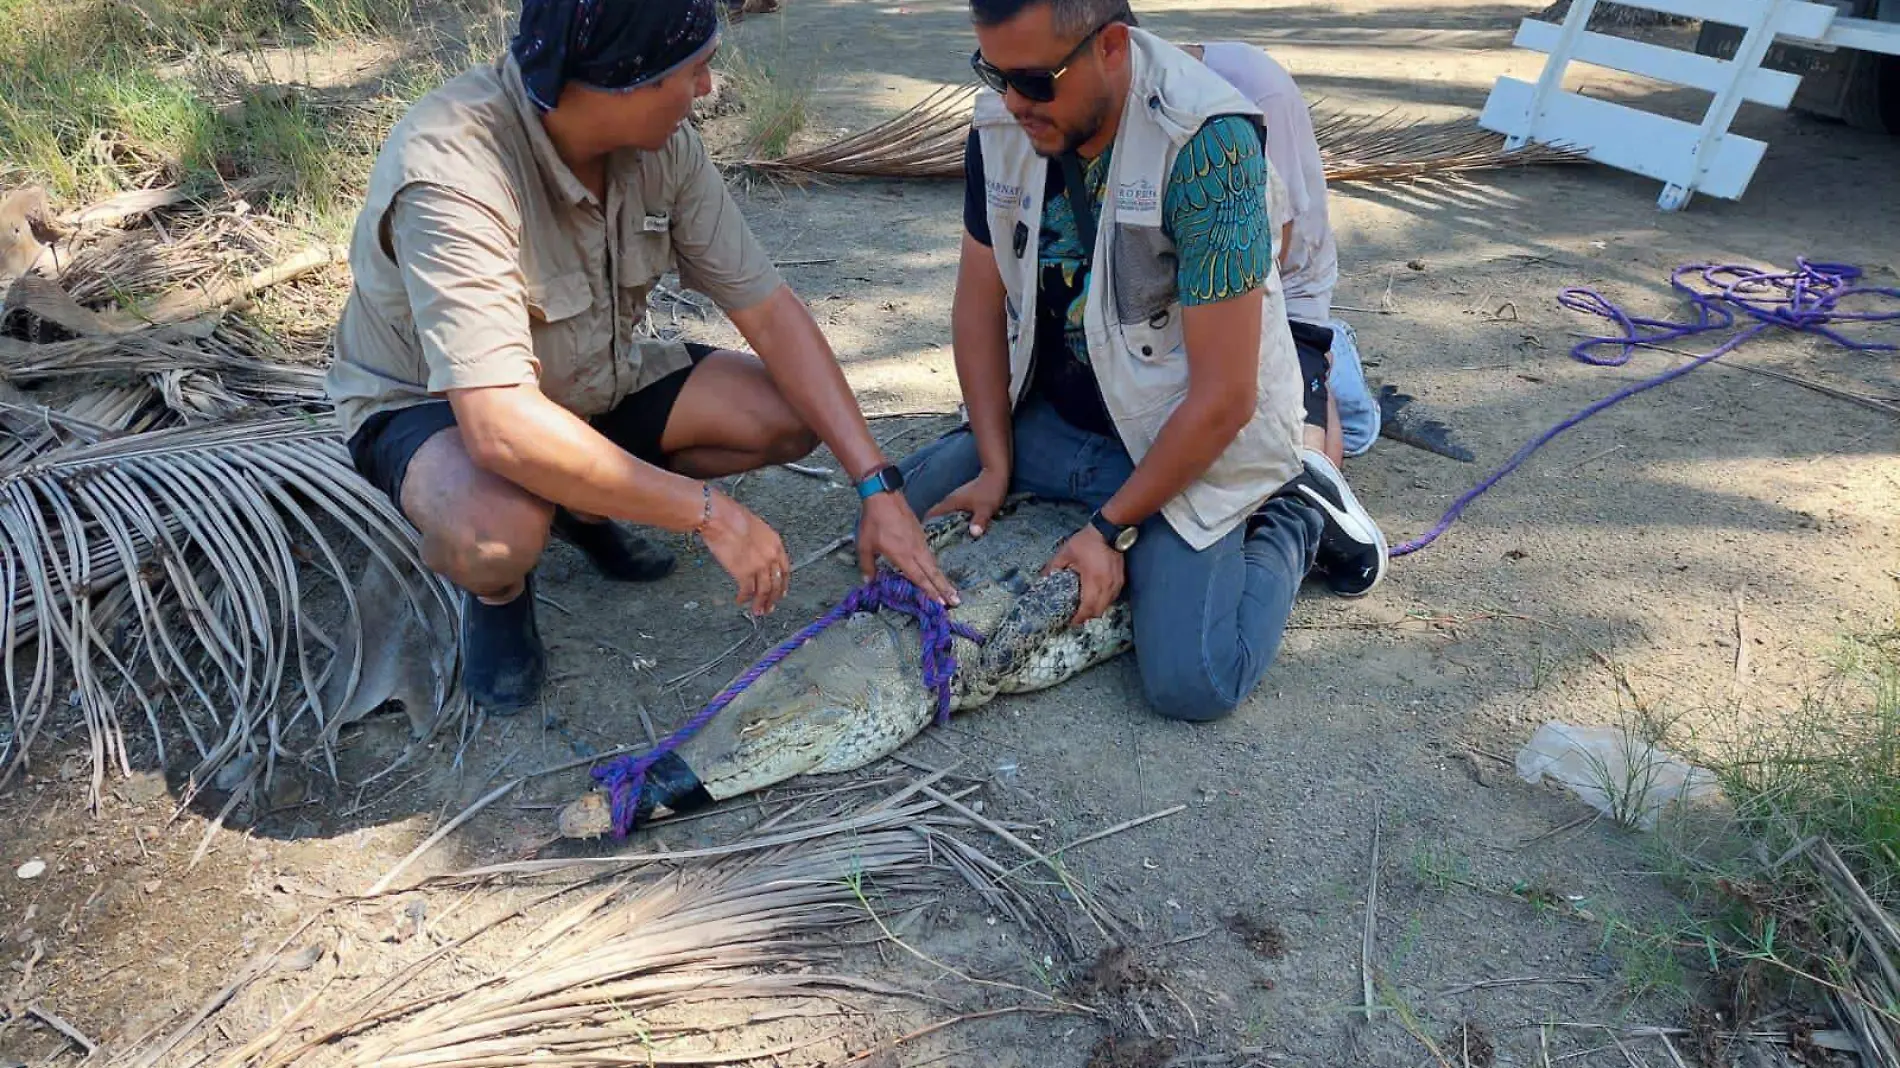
1404 420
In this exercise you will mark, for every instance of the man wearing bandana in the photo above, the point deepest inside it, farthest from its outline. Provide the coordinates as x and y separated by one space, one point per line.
490 375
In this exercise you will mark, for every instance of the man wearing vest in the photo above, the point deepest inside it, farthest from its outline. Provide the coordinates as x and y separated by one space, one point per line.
1121 339
490 375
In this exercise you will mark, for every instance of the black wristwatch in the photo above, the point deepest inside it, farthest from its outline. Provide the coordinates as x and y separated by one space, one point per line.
1120 539
885 479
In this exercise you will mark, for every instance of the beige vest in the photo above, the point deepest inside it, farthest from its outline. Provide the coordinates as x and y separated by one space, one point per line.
1133 314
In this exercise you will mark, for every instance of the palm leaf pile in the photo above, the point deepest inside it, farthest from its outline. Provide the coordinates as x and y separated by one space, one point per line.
180 528
1392 147
729 954
926 141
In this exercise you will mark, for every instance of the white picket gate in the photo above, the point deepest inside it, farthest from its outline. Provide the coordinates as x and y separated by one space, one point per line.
1687 158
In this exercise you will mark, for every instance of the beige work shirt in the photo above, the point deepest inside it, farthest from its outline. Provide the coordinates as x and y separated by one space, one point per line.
480 260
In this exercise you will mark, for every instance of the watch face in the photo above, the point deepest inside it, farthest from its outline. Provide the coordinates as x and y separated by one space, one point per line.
1126 539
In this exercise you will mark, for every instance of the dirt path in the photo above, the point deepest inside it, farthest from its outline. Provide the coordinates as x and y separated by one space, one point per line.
1622 547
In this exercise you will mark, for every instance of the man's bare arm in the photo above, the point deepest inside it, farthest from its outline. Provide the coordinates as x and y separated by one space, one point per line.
980 337
516 432
1223 356
781 330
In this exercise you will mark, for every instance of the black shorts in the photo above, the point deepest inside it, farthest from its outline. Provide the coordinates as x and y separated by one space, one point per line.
382 448
1313 343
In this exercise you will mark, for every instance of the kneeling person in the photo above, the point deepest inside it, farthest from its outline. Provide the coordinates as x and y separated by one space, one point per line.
1121 339
489 376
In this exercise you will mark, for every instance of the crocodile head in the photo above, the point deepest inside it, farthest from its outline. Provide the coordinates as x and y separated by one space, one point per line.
848 696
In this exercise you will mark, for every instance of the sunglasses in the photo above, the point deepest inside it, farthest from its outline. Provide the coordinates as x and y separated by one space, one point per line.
1036 85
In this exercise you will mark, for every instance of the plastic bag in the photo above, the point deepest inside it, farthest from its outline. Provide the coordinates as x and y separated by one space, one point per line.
1613 771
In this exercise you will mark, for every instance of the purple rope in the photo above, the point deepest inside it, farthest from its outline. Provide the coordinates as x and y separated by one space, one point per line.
1804 300
625 775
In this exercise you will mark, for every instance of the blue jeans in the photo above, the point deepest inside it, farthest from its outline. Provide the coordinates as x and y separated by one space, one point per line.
1207 623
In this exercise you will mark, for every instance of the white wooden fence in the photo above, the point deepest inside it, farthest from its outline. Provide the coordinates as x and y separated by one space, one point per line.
1687 158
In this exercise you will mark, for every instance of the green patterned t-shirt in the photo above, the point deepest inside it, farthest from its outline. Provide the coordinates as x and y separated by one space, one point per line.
1214 210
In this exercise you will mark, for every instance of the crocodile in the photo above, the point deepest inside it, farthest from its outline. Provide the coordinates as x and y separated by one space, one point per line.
855 693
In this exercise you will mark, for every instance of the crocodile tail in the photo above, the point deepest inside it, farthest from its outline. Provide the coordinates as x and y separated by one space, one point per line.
1404 420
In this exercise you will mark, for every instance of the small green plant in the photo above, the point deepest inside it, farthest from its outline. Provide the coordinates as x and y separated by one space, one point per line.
775 93
1414 931
1543 899
1543 667
1647 959
1390 1000
1441 869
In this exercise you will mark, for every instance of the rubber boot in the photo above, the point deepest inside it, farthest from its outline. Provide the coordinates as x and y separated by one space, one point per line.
504 664
615 551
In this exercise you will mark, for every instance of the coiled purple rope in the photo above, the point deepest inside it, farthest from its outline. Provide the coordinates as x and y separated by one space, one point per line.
625 775
1805 300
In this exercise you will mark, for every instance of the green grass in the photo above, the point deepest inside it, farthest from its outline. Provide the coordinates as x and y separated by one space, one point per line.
1442 868
98 96
774 90
1649 959
1827 771
1836 771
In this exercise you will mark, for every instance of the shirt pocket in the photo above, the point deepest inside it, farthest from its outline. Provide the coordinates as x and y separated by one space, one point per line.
643 254
556 298
561 325
643 248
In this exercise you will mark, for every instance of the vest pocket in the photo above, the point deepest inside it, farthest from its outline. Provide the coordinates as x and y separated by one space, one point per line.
1157 341
1144 263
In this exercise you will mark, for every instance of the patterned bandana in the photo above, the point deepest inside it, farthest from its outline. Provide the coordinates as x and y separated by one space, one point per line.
615 45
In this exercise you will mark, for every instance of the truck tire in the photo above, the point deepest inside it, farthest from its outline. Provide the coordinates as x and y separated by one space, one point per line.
1872 98
1861 89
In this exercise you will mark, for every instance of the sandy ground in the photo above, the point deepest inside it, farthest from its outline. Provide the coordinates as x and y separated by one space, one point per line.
1626 546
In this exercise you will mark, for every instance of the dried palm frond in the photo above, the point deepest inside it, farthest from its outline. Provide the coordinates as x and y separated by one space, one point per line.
646 959
1393 147
159 538
581 985
926 141
165 574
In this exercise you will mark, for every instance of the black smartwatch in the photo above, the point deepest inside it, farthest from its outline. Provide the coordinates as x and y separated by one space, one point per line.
1120 539
885 479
